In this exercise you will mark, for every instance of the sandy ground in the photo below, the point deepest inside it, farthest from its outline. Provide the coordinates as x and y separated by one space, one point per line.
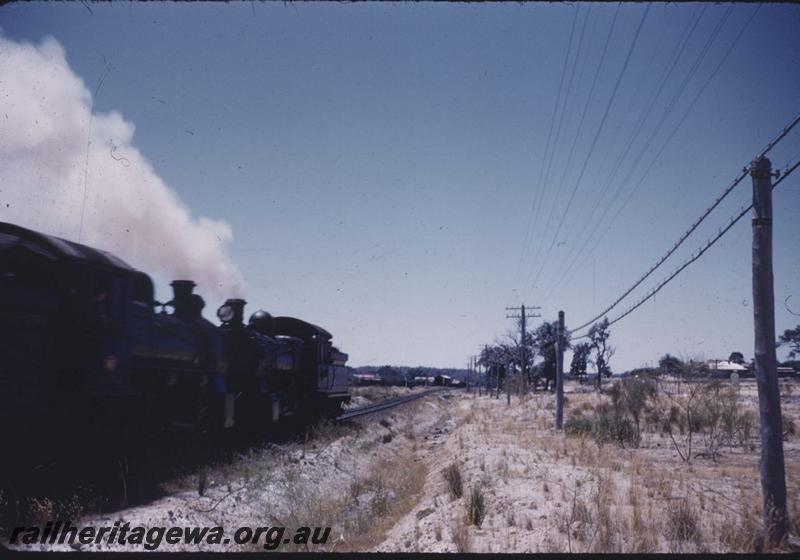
379 484
545 492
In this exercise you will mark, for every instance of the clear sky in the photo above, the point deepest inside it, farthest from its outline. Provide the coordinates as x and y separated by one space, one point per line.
381 166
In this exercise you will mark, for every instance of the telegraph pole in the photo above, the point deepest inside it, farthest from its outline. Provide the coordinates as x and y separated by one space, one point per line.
523 358
773 475
560 371
487 369
477 377
507 381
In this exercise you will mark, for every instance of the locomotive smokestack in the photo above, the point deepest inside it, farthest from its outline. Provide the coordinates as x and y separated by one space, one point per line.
237 305
184 301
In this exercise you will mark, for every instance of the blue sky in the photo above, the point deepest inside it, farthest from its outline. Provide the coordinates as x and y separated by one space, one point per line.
377 163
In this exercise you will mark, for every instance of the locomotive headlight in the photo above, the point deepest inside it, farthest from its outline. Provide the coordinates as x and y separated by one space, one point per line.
110 363
225 313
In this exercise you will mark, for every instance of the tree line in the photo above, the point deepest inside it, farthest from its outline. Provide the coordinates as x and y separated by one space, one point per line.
534 353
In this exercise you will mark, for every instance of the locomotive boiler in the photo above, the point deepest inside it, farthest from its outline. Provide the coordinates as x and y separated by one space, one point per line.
83 344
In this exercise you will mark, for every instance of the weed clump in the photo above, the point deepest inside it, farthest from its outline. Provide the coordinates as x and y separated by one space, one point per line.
683 525
611 428
476 506
578 426
461 538
452 476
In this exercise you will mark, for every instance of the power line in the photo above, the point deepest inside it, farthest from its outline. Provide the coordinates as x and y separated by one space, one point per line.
689 109
780 136
663 147
670 106
697 222
693 258
594 141
583 116
681 47
536 202
566 166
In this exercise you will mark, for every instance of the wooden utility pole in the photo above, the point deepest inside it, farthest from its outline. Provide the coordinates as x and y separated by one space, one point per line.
773 476
523 351
477 377
507 381
560 371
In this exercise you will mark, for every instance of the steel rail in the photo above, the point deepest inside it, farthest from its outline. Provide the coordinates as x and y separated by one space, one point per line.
387 404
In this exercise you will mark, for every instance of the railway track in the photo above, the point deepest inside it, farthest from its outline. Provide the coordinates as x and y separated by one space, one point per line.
387 404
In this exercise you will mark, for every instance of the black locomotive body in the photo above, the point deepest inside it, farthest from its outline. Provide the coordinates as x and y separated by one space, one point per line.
83 345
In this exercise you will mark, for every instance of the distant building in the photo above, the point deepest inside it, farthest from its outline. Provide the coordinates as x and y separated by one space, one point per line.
725 365
724 368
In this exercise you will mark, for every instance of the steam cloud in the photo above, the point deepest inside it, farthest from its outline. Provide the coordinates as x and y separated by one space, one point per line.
53 150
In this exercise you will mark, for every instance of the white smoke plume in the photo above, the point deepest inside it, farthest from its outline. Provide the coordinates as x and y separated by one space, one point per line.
71 173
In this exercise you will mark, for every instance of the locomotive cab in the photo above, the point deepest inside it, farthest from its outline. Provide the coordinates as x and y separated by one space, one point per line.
65 329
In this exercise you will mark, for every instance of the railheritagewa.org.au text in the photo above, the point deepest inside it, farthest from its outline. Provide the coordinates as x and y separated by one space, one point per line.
151 538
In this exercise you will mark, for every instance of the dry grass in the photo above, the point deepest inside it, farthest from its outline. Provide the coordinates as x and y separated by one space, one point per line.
360 519
476 503
635 496
682 525
461 536
452 476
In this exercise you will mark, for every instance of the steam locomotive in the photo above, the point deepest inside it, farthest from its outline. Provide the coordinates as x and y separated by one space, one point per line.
83 345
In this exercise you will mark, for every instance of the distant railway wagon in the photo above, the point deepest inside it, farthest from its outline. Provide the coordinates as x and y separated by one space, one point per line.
443 380
366 379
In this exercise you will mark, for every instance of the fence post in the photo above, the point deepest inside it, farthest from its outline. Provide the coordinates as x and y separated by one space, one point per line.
773 477
560 371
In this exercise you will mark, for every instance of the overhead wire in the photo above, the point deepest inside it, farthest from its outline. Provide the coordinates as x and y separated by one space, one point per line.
594 141
670 106
680 49
691 105
585 111
693 258
535 202
583 116
549 164
742 174
666 143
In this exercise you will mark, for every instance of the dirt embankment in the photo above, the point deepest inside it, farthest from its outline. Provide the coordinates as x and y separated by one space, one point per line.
356 478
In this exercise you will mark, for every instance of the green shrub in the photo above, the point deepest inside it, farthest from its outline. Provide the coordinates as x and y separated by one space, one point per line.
630 396
578 426
615 429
